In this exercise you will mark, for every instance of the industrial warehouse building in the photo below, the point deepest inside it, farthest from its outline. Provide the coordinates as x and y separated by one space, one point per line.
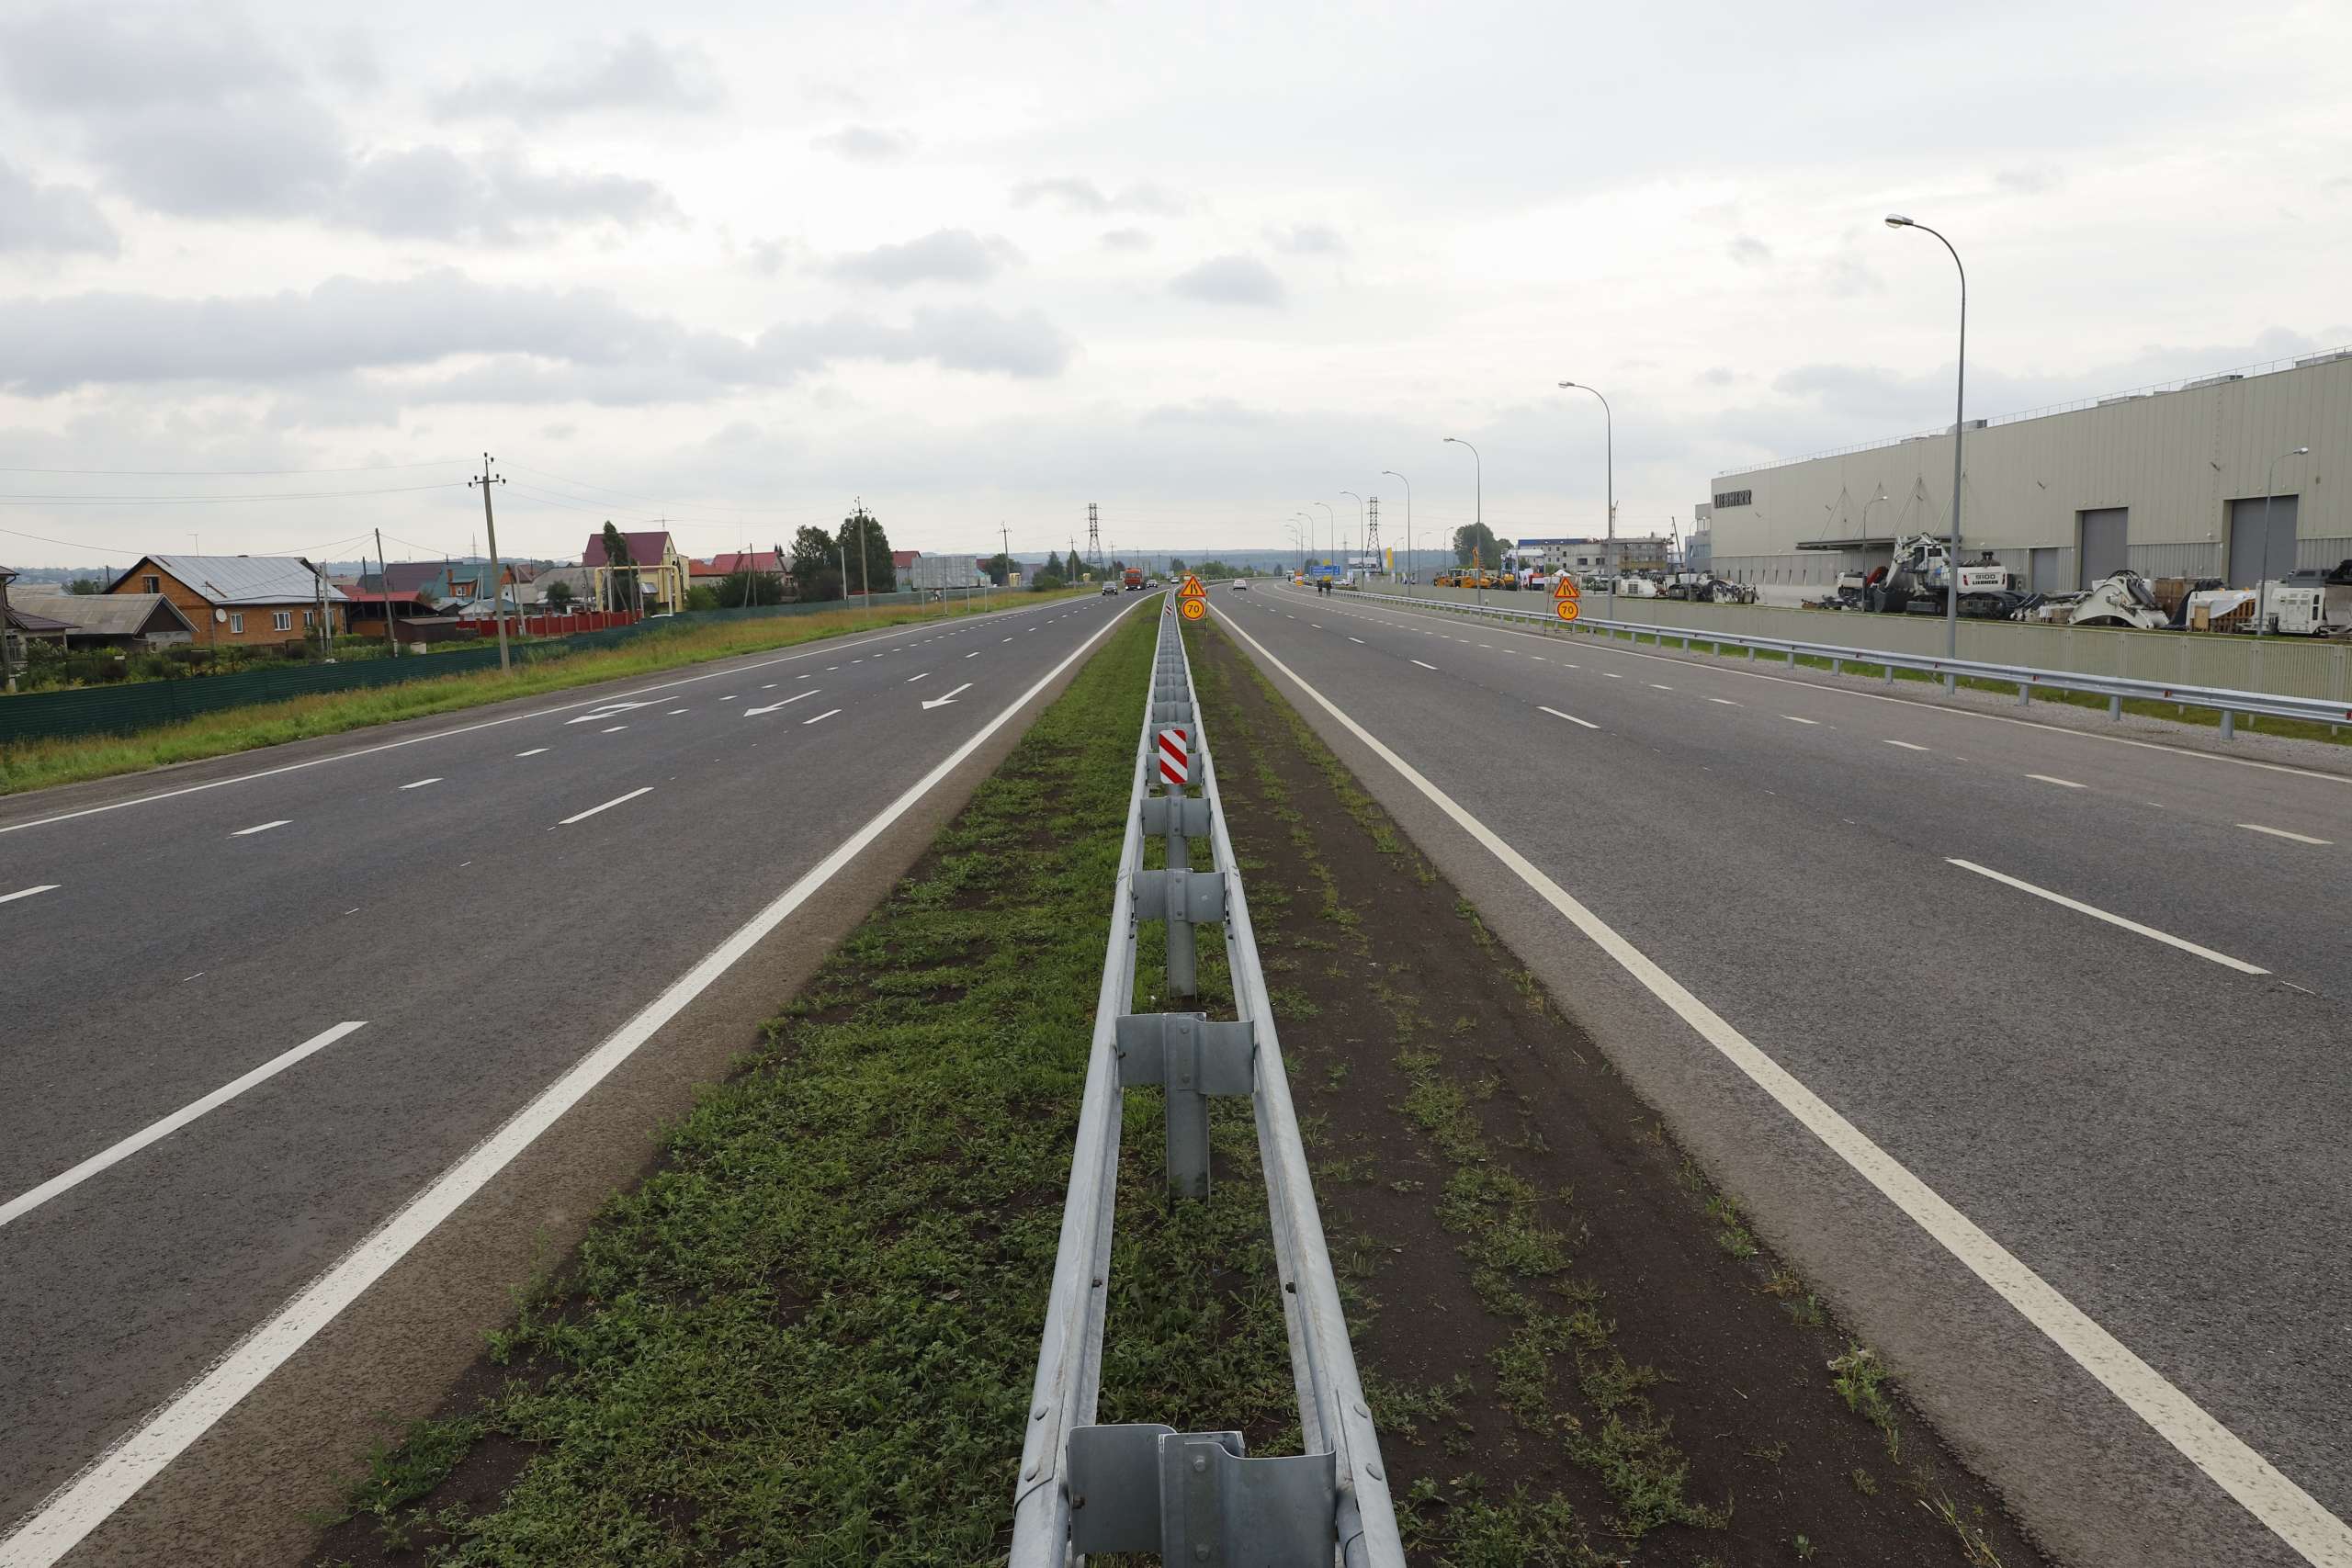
2169 482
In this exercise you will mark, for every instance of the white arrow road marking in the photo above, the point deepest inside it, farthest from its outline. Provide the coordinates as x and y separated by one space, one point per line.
943 699
260 828
29 892
754 713
822 716
25 1203
616 800
606 710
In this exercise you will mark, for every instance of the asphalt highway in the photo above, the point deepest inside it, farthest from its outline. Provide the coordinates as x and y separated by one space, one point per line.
249 1022
1943 997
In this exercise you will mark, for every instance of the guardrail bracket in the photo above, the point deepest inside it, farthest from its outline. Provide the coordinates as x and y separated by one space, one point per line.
1195 1498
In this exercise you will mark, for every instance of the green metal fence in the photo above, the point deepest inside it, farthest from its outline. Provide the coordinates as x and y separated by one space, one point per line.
118 710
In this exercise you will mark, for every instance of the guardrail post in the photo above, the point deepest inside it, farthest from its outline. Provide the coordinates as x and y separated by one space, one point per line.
2025 692
2229 724
2115 705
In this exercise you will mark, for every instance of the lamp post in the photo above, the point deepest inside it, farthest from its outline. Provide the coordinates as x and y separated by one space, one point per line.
1401 480
2261 589
1959 431
1477 516
1608 479
1346 565
1307 549
1330 531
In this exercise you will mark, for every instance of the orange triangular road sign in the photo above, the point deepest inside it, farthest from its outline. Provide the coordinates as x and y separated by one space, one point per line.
1192 589
1567 588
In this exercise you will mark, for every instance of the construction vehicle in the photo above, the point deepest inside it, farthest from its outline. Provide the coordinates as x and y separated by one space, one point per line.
1914 583
2119 599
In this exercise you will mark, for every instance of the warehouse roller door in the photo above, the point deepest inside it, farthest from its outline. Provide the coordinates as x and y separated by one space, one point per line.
2248 564
2105 550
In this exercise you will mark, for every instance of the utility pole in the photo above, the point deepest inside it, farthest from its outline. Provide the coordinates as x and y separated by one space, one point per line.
1093 536
384 587
864 571
7 652
497 590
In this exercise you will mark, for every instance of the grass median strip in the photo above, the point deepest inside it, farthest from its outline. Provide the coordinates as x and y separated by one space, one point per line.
809 1336
39 764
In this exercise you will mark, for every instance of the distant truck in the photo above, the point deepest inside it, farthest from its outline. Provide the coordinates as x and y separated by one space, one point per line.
1135 579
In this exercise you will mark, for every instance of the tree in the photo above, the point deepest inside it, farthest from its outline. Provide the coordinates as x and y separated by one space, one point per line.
815 568
628 592
739 589
85 585
861 535
1175 566
703 596
1477 536
999 569
1046 582
560 597
1053 566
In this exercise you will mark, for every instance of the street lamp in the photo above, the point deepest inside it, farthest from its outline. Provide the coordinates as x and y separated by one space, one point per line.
1609 476
1331 530
1477 514
1959 431
1344 563
2261 589
1401 480
1307 549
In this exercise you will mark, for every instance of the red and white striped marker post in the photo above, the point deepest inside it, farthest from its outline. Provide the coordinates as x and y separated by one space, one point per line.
1175 758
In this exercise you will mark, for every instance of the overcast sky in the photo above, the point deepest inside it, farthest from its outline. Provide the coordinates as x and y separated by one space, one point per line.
1207 264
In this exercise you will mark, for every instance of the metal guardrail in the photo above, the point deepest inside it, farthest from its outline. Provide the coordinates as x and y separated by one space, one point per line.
2115 688
1194 1497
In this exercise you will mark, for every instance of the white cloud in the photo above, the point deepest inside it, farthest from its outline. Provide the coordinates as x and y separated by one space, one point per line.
1231 280
1125 239
637 74
55 219
946 256
1307 240
1085 197
865 144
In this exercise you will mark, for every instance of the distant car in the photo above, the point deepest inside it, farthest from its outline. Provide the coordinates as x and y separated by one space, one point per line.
1110 590
1239 586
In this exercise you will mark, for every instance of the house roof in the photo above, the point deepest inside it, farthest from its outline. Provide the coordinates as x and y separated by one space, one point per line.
240 580
728 561
31 621
408 576
110 614
362 596
649 549
904 558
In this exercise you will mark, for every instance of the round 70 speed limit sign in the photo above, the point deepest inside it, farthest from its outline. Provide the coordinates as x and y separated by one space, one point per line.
1564 608
1193 609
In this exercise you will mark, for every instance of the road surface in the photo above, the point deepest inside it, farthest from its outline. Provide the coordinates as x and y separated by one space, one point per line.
249 1021
1945 998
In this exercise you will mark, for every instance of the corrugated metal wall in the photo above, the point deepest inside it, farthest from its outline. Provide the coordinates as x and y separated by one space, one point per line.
2174 459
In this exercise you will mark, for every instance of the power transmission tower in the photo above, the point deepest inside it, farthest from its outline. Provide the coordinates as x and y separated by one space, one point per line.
1371 530
1093 536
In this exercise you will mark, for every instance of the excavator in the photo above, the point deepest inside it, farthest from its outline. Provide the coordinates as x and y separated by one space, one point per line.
1914 582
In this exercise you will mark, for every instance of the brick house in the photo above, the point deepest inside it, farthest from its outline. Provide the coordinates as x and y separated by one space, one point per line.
238 601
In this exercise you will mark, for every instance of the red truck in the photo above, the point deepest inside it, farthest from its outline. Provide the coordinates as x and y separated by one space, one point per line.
1135 579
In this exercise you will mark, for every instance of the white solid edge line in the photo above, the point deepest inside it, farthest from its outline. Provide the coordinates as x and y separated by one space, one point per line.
2062 784
1572 719
260 828
80 1505
1690 661
29 892
2249 827
616 800
2223 959
829 646
24 1203
2285 1509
